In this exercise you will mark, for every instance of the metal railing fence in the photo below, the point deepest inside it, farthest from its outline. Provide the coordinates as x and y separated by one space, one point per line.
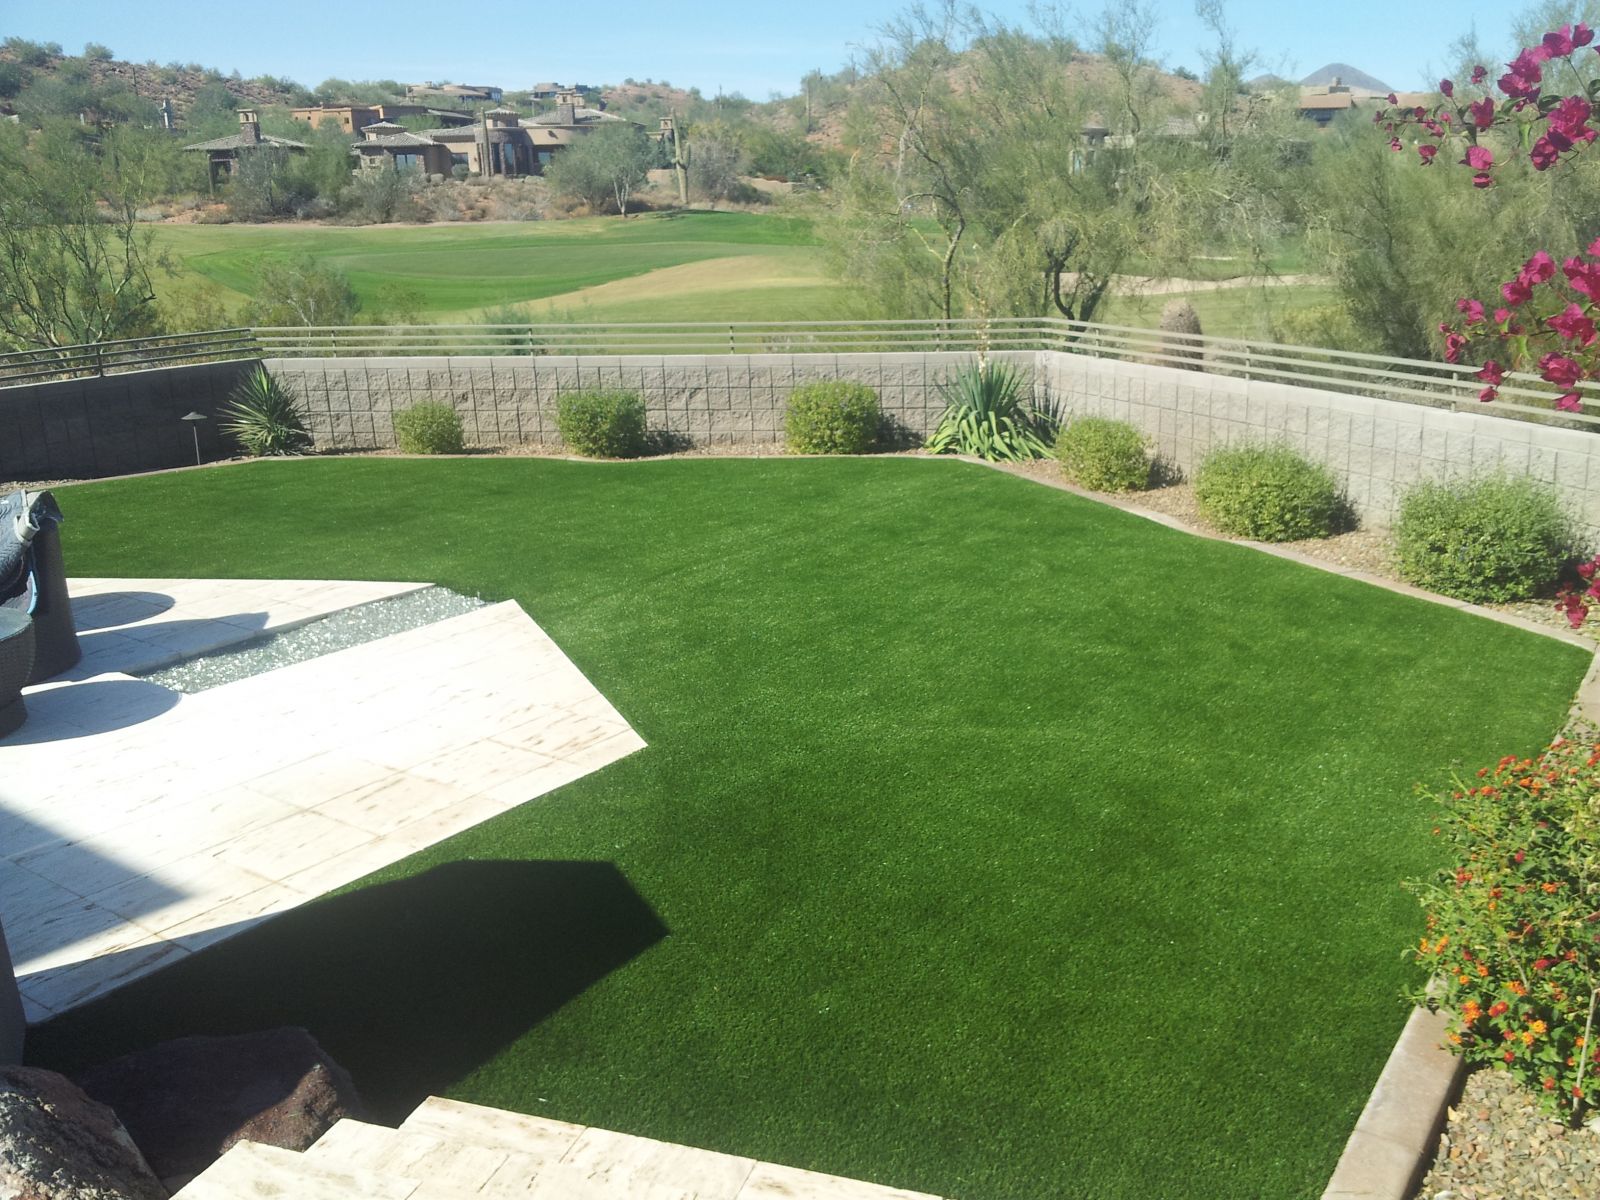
127 354
1417 381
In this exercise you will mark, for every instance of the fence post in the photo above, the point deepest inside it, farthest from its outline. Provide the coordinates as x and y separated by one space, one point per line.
99 359
731 349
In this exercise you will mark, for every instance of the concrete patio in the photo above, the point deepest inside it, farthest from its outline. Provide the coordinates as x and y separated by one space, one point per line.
139 825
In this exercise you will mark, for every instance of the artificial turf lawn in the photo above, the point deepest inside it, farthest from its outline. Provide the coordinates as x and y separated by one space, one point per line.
989 842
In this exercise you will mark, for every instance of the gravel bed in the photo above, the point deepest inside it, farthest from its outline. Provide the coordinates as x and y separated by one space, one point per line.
336 631
1497 1145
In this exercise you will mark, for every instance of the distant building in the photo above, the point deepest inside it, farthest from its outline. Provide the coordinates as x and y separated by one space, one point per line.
386 145
1323 104
353 118
504 143
223 153
468 93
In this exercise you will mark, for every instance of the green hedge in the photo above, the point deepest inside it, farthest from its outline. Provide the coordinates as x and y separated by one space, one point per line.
1270 493
834 417
602 424
429 428
1494 537
1106 455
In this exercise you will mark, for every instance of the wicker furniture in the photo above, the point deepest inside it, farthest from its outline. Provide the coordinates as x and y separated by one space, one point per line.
30 546
16 664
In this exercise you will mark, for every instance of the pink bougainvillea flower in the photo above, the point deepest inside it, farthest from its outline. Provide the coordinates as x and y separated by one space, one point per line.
1434 128
1482 180
1446 88
1482 112
1502 315
1445 117
1586 570
1574 324
1546 152
1557 43
1454 344
1570 118
1517 292
1427 152
1394 144
1571 402
1584 277
1538 268
1488 394
1479 158
1594 249
1526 73
1559 370
1493 374
1479 74
1392 98
1472 310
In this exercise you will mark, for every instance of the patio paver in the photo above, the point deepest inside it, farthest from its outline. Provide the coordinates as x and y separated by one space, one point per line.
138 825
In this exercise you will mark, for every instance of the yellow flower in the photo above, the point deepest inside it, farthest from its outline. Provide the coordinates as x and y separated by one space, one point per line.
1537 1028
1527 1037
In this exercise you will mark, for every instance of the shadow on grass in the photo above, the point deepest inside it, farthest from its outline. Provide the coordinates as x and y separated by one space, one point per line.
409 985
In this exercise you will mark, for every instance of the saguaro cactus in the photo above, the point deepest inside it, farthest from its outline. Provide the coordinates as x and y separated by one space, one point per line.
1179 319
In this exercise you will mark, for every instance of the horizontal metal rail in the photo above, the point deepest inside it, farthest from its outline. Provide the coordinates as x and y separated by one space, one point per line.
1415 381
127 354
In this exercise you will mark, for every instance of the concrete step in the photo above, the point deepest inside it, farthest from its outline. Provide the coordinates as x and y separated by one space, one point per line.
447 1150
250 1171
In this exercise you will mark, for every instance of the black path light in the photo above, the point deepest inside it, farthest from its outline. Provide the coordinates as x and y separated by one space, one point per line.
194 419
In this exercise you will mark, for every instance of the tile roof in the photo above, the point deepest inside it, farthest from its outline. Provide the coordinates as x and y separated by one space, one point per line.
238 141
393 141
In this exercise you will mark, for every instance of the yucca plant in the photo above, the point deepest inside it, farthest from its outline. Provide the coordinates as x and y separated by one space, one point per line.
265 417
988 416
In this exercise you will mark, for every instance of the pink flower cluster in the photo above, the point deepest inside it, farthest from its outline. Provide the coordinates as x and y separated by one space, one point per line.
1565 123
1575 605
1546 306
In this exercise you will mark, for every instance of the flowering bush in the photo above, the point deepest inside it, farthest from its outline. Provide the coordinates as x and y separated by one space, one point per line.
1513 930
1545 321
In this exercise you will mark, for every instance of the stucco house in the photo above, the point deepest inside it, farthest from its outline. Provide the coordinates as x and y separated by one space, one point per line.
384 144
505 143
223 153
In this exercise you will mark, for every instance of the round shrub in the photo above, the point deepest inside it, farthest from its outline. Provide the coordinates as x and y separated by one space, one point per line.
1493 537
835 417
602 424
1106 455
428 428
1269 493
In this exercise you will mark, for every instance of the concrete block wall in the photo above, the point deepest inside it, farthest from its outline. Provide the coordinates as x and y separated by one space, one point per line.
710 400
113 425
1377 447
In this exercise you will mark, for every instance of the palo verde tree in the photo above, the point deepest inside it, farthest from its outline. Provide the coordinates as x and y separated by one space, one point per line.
75 265
605 167
993 172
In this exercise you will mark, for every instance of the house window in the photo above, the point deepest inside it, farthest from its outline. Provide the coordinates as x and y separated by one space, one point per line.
458 160
407 160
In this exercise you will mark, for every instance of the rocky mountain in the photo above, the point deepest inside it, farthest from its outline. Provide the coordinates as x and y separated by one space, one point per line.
1348 75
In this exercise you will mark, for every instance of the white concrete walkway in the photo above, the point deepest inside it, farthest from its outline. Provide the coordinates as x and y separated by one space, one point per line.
138 825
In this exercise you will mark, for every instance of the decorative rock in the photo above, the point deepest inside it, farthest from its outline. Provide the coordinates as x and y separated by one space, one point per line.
187 1101
58 1144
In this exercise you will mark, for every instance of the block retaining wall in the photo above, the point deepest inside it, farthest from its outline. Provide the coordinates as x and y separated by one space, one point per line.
127 423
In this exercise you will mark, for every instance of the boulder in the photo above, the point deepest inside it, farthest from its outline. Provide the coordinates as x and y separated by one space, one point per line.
58 1144
186 1101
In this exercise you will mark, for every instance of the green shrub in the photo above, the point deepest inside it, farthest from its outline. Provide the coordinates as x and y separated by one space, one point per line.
601 424
987 416
1492 537
1270 493
1106 455
836 417
265 417
429 428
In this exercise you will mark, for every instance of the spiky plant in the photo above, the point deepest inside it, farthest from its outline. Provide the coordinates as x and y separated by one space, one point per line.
988 416
265 417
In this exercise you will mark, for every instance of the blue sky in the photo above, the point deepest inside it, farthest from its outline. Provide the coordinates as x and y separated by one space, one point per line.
753 46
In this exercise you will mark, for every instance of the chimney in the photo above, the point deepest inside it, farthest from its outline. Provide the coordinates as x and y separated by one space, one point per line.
249 127
566 114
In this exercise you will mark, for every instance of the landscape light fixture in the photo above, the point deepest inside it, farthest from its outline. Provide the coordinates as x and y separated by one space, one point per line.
194 419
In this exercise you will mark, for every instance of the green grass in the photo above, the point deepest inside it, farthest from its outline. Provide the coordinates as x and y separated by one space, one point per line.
968 854
460 269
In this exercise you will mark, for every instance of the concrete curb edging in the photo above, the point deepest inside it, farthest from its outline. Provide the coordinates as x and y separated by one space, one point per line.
1396 1136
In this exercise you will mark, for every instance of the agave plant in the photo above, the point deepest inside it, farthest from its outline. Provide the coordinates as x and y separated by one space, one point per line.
988 416
265 417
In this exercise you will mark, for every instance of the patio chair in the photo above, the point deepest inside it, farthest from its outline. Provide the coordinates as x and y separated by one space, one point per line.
33 579
16 663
